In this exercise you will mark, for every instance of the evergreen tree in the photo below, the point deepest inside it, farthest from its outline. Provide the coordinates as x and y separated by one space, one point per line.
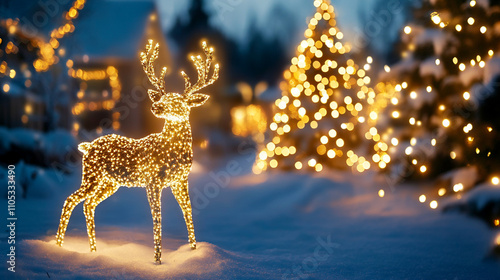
326 107
440 117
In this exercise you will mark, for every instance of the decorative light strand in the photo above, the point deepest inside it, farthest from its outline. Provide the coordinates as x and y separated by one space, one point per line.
47 50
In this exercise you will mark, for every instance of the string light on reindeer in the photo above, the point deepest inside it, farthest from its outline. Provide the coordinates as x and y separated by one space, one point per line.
154 162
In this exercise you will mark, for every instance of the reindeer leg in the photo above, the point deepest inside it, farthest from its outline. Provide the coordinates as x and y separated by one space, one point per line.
89 211
70 203
154 198
181 193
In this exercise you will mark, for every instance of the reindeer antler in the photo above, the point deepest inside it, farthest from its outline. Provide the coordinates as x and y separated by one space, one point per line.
203 68
149 69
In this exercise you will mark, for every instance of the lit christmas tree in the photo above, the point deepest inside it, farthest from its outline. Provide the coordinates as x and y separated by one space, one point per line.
440 117
327 107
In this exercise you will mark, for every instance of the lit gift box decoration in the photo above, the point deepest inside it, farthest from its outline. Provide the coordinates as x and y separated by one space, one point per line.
154 162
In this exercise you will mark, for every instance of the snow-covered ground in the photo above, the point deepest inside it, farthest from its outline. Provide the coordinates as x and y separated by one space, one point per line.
270 226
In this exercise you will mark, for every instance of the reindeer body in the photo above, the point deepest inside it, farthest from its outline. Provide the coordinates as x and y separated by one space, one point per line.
172 160
154 162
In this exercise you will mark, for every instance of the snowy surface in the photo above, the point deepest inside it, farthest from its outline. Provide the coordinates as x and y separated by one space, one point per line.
270 226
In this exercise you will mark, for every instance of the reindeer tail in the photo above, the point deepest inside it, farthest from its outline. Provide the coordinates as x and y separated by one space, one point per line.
84 147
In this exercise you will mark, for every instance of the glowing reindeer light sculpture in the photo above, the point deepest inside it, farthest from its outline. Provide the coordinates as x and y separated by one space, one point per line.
154 162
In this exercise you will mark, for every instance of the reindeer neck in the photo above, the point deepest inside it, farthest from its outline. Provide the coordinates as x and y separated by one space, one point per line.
176 129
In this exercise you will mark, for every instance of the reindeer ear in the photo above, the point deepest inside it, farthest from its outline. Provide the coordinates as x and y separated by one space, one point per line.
154 95
197 99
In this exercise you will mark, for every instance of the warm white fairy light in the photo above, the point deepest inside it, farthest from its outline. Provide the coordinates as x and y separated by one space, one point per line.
467 128
394 141
381 193
433 204
441 191
435 18
413 141
458 187
446 122
154 162
6 87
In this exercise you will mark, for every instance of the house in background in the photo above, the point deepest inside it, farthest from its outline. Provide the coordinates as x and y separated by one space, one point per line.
103 59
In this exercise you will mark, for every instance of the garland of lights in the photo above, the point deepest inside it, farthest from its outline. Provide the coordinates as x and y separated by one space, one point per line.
445 121
155 162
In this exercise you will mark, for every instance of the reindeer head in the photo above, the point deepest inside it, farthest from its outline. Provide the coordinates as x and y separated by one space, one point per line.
171 105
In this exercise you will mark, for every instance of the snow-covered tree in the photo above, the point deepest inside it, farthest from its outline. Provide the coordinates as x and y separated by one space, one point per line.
438 118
